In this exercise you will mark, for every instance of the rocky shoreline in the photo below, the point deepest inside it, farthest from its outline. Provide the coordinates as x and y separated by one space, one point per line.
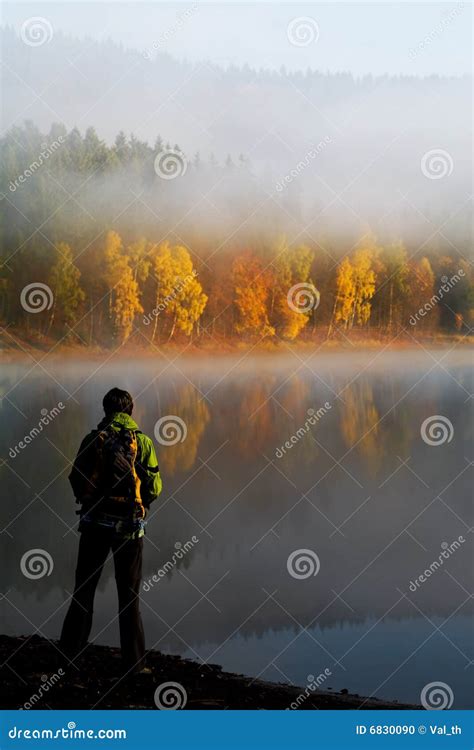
35 677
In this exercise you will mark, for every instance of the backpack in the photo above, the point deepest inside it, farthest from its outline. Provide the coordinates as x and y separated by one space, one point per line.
115 477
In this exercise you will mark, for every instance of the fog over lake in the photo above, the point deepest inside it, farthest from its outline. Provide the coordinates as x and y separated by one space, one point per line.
252 482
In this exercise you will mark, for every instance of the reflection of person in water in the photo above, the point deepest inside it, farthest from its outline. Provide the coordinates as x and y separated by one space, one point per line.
115 478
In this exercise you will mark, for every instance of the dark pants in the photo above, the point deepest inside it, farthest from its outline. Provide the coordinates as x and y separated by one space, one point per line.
94 547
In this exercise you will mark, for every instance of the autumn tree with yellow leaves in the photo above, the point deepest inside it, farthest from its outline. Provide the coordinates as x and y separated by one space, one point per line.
290 266
355 287
116 287
252 285
178 297
123 300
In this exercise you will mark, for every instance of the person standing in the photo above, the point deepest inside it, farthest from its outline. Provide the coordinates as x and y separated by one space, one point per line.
115 478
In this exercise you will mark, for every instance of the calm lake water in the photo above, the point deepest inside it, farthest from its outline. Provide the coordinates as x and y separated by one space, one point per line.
361 489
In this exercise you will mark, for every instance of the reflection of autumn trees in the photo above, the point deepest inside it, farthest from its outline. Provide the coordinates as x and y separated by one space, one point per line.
365 423
359 417
256 419
295 397
245 413
269 415
191 407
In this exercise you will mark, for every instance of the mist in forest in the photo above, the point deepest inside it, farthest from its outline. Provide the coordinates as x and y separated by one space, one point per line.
127 170
328 153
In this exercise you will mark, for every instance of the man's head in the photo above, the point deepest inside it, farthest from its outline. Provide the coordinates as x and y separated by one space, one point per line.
117 400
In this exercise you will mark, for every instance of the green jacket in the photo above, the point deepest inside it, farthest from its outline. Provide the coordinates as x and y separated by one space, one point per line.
146 464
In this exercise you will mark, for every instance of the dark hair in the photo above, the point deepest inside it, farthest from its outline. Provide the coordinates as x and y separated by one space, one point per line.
117 400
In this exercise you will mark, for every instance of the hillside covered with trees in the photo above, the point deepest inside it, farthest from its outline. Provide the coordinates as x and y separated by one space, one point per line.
161 200
104 266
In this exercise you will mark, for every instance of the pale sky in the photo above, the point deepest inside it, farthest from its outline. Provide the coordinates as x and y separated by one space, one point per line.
396 38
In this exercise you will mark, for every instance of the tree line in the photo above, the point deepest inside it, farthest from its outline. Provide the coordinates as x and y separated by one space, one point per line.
96 245
159 292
